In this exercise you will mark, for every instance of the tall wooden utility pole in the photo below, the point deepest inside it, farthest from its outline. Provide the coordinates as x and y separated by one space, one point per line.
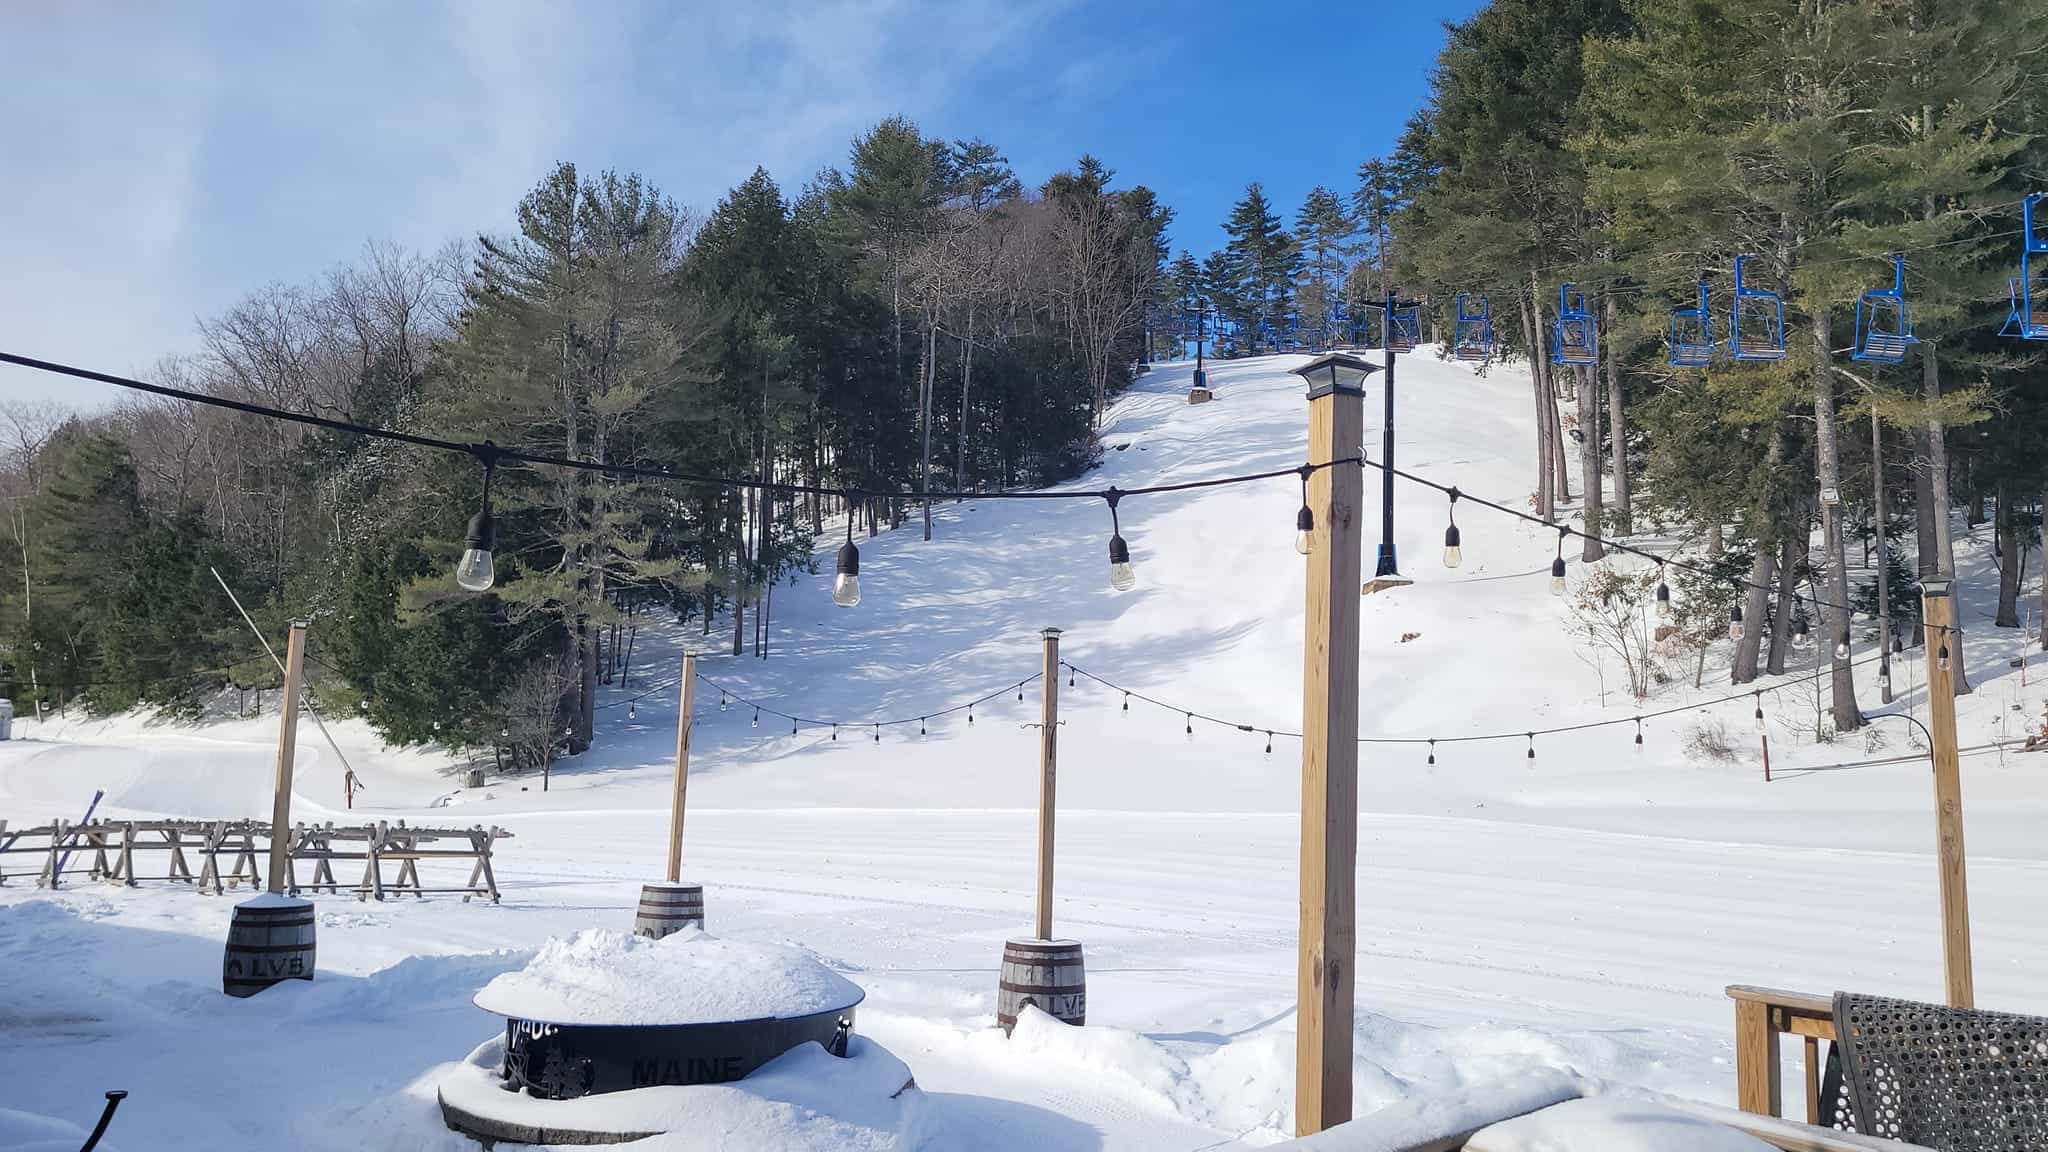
683 726
1048 764
1329 746
1938 610
287 744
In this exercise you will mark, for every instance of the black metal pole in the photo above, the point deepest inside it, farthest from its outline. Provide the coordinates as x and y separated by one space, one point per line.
1387 566
1201 330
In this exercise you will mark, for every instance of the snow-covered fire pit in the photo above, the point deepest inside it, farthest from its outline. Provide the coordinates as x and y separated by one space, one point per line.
613 1015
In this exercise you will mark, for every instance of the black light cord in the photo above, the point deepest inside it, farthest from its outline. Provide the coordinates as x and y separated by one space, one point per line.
489 453
868 722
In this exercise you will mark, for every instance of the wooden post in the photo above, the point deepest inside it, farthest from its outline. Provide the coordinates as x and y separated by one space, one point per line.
1758 1079
1048 759
1937 609
683 726
287 743
1329 748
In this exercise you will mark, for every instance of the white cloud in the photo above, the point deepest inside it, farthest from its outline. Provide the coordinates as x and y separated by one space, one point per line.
165 160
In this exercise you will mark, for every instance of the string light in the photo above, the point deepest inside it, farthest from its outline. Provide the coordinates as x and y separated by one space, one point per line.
1070 677
1557 565
757 715
1759 710
1664 611
1453 554
1191 725
1121 575
723 700
1305 520
970 713
1020 693
1799 637
920 726
1432 750
632 710
1127 701
1735 622
1639 733
1941 659
792 725
1269 743
1842 646
878 733
835 731
1532 745
846 583
476 572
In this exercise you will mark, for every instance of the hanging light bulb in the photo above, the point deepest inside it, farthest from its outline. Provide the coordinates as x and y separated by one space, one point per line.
1664 611
1759 711
476 571
1842 646
757 716
792 725
1735 622
1127 701
920 726
1020 693
1557 565
1639 733
846 585
1305 520
1191 726
1432 751
632 711
1122 576
1453 554
1070 675
1800 639
1532 745
835 731
1941 659
722 701
1269 743
878 733
970 713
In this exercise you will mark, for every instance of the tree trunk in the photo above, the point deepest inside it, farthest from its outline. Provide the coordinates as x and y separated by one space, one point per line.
1558 455
1755 607
1716 544
966 380
1937 476
1788 593
2008 560
2043 614
1848 717
1620 512
1589 461
1532 333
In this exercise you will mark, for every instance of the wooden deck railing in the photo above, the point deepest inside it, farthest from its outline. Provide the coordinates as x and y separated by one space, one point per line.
1761 1016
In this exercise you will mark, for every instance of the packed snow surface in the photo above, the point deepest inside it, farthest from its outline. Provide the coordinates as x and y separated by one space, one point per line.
1578 914
1611 1124
610 976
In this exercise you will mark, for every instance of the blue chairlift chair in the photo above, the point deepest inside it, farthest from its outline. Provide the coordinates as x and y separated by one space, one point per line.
1884 322
1406 330
1692 334
1756 322
1472 335
1575 339
2026 321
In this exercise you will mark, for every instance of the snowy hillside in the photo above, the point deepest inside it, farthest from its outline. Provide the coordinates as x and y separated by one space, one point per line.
1581 910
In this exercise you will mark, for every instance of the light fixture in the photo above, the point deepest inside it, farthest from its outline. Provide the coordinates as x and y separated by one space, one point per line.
1305 520
1453 554
1191 726
1432 751
1639 732
757 716
1735 622
878 733
1941 660
920 726
1127 701
1800 639
1759 711
1842 646
1269 743
1020 693
722 701
835 731
1070 675
476 572
1557 565
846 585
1532 745
1121 575
632 710
1663 594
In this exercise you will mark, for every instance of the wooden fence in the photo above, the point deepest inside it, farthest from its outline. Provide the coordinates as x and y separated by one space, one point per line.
114 851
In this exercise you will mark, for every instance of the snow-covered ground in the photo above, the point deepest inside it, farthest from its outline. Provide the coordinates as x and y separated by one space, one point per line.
1580 911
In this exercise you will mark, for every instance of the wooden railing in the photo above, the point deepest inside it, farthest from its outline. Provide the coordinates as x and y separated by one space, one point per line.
1761 1016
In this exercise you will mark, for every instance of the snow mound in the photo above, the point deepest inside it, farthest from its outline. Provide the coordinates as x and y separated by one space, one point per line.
605 977
1612 1124
28 1132
804 1100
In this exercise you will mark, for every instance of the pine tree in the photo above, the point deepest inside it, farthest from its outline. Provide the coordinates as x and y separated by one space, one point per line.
1323 229
1265 260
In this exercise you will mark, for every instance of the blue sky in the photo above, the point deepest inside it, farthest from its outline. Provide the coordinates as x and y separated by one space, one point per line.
164 160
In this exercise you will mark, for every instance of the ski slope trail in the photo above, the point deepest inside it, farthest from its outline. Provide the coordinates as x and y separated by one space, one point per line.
1581 910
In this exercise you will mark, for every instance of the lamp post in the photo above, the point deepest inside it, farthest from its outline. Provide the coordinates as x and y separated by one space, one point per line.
1387 572
1328 936
1201 331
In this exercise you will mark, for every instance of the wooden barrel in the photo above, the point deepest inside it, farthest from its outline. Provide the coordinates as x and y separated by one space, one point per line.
1043 973
269 940
668 908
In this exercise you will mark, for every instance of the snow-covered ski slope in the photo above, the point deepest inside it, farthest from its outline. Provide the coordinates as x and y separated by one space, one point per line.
1582 910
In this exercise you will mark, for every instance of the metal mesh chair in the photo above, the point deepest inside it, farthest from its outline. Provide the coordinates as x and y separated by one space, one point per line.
1954 1079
